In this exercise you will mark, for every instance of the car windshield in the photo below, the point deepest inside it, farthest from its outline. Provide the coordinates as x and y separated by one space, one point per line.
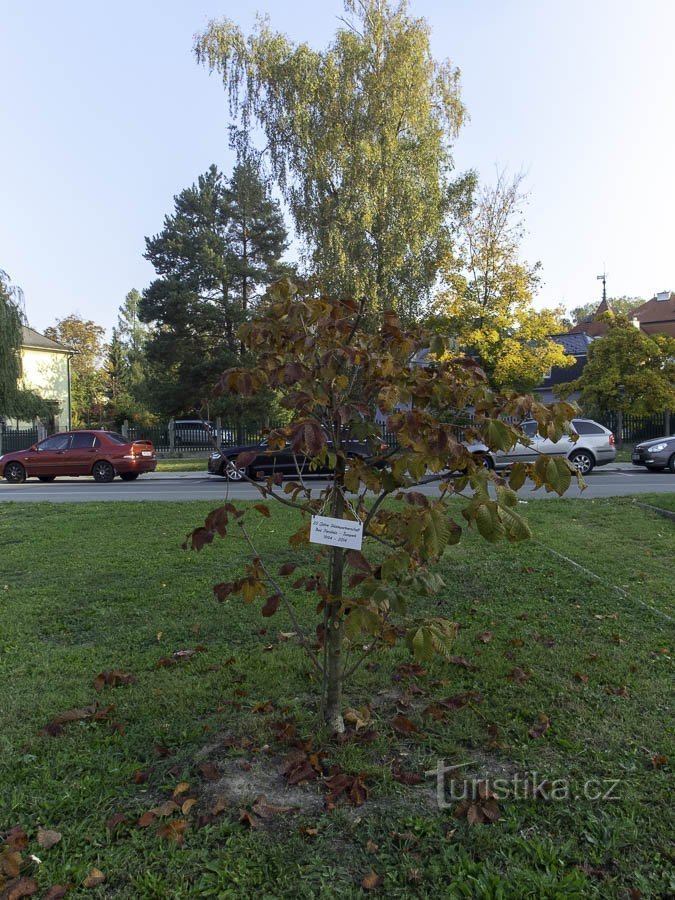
116 437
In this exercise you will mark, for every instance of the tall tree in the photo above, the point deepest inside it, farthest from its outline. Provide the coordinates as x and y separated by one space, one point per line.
486 302
11 320
85 338
221 245
359 140
627 371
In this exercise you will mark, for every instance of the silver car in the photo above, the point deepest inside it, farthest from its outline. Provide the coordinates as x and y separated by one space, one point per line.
657 454
595 446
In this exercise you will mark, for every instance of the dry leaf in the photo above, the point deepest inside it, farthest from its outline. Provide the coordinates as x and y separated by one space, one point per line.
174 831
24 887
266 810
372 847
47 839
181 788
371 881
94 878
10 863
187 806
541 726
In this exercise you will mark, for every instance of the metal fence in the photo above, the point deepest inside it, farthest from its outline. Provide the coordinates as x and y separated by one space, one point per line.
12 439
637 428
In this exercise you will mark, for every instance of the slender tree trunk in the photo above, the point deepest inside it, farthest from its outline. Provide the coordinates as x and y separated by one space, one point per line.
334 635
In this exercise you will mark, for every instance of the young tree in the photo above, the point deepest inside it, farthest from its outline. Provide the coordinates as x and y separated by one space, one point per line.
486 304
85 338
222 244
333 374
628 372
359 142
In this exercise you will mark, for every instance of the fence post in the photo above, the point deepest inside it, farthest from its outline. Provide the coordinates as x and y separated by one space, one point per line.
666 422
41 430
219 431
172 436
125 428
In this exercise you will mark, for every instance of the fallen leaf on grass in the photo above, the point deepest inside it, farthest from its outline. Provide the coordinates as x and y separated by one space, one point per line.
371 881
518 675
57 891
481 810
114 678
540 727
359 718
168 808
15 839
247 818
463 663
174 831
308 832
94 878
267 810
93 712
187 805
402 777
10 863
372 847
114 821
621 691
404 726
24 887
658 761
582 677
47 839
485 637
181 788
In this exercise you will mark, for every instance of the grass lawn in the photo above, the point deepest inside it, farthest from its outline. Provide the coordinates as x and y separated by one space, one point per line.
186 464
559 671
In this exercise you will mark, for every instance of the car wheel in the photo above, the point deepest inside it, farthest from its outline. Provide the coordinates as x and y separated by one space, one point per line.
102 471
46 477
671 463
129 476
233 472
484 460
15 473
582 461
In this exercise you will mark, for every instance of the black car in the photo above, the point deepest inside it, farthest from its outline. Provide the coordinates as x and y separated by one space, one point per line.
657 454
284 462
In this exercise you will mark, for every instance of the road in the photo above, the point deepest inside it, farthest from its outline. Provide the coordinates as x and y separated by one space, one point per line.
612 481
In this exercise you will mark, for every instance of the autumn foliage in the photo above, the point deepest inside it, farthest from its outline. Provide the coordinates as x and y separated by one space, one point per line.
336 370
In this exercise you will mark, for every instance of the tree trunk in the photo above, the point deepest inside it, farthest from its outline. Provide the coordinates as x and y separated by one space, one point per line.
334 633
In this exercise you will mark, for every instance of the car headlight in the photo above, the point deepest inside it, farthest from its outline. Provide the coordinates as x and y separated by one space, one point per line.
656 448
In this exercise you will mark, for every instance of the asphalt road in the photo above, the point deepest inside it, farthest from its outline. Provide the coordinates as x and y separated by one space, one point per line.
609 481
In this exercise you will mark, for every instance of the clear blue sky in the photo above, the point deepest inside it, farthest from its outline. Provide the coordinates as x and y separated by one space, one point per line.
106 116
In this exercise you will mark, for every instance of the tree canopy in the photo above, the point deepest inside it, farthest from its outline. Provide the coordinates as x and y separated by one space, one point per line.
333 375
11 320
358 137
85 338
622 306
486 302
627 371
221 245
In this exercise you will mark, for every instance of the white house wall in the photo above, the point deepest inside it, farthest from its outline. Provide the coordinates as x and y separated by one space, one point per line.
46 373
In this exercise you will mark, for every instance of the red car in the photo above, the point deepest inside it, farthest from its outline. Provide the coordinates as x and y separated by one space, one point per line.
101 454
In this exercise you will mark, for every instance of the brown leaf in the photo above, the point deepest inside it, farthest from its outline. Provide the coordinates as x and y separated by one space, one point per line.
287 569
474 814
308 832
48 839
371 881
174 831
463 662
57 891
24 887
372 847
266 810
263 509
658 761
582 677
15 839
271 605
247 818
140 776
619 691
209 771
541 726
181 788
187 805
518 675
219 805
10 863
168 808
115 820
146 819
485 637
114 678
404 726
94 878
405 777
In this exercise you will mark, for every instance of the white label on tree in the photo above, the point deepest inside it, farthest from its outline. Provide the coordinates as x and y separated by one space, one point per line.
336 532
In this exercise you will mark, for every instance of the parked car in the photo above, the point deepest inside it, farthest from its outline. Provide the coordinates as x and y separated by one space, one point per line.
657 454
595 446
268 462
194 433
101 454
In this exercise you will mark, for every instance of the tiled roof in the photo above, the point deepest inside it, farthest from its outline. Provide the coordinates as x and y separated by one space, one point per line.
35 341
574 343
